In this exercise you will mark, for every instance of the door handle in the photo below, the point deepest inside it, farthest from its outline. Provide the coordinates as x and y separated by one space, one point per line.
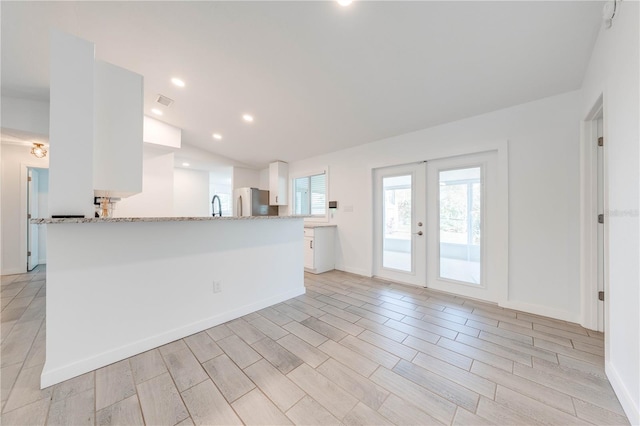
418 233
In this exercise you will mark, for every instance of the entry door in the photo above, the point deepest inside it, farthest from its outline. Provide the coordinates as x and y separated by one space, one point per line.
466 227
399 223
32 212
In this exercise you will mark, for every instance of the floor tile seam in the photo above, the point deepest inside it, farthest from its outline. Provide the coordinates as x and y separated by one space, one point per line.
575 398
265 393
12 389
175 385
462 369
22 367
502 347
552 386
550 352
505 337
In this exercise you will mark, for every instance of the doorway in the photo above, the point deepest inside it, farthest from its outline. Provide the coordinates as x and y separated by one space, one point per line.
399 223
443 224
37 207
594 227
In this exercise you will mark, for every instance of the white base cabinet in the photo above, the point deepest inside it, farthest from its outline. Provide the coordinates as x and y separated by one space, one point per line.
319 249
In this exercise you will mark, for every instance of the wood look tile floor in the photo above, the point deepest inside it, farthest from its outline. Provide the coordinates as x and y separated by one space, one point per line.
352 350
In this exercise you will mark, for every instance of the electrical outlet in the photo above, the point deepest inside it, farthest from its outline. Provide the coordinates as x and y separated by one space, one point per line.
217 286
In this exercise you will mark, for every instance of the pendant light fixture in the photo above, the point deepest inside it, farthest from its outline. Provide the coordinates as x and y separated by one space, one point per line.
39 150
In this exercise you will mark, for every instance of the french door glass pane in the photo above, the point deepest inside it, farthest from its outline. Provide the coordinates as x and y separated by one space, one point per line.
460 224
396 244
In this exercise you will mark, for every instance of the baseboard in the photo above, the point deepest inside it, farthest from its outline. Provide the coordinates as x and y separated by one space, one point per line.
542 310
14 271
60 374
355 271
629 406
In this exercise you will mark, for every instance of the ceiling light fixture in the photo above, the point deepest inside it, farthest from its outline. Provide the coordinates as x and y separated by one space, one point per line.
186 164
38 150
344 3
177 82
156 111
247 117
217 136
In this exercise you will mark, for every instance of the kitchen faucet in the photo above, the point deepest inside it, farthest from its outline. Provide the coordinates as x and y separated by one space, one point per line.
213 206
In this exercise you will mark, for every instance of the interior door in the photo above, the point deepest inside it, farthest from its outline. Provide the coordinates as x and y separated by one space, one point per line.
465 226
32 212
399 223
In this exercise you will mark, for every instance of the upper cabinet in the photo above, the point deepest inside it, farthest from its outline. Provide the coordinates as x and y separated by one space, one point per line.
118 131
278 183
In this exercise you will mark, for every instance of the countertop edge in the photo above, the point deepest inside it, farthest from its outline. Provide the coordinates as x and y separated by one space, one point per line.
52 221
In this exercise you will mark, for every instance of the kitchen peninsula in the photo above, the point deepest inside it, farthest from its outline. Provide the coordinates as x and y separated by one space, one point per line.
117 287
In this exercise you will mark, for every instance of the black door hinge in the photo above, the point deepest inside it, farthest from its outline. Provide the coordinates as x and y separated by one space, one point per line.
601 295
600 141
600 218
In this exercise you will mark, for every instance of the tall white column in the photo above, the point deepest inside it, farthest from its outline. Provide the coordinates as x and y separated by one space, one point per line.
71 126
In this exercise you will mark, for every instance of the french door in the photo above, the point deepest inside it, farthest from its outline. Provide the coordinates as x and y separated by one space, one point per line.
467 227
399 223
443 224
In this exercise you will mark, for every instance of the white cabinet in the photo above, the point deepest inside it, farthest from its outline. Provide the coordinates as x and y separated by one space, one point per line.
118 118
278 183
319 249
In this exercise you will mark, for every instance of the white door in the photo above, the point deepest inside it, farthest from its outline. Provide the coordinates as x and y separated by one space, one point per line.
399 223
32 212
466 227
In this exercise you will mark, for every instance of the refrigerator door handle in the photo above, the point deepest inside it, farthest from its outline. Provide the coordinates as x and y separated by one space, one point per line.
239 205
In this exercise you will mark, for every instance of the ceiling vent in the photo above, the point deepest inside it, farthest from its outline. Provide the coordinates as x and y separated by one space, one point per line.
163 100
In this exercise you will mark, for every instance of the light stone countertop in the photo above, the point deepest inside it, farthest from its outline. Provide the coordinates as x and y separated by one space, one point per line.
50 221
319 225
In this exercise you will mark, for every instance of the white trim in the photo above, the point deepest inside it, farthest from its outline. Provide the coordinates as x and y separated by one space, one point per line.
52 377
630 407
15 271
541 310
588 226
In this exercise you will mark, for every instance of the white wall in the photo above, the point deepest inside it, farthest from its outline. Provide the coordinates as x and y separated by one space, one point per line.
220 184
129 294
156 198
543 194
26 115
264 179
613 72
191 193
245 177
13 192
71 125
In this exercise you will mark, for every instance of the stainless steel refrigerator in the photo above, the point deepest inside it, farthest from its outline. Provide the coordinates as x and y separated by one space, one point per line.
252 202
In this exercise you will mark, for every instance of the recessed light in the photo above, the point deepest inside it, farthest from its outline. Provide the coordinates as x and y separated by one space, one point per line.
177 82
247 117
344 3
156 111
217 136
186 164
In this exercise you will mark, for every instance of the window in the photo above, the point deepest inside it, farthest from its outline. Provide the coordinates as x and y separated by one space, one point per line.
310 195
460 224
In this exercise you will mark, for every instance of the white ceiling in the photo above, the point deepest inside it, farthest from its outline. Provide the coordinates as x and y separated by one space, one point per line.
317 77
